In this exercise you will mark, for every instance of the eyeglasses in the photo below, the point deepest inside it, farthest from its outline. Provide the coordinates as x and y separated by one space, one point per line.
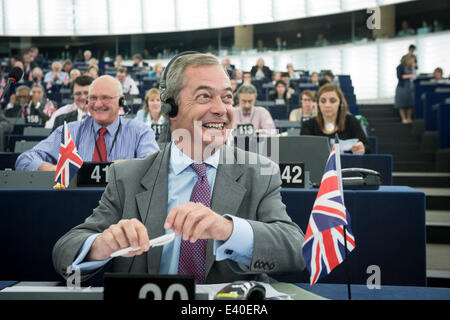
103 99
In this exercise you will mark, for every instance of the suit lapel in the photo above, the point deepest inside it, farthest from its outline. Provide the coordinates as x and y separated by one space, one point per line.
227 197
152 204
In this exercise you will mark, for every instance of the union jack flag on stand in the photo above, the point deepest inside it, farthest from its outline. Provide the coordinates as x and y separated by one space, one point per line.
49 108
69 161
323 246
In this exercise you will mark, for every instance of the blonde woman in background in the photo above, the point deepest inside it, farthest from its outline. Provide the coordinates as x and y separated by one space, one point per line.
404 93
151 110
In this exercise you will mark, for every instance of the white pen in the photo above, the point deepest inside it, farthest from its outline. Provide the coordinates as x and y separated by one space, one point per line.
160 241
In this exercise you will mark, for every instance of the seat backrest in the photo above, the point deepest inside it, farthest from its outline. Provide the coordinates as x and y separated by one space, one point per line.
22 146
313 151
36 131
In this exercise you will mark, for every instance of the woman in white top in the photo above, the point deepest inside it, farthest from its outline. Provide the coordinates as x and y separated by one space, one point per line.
151 110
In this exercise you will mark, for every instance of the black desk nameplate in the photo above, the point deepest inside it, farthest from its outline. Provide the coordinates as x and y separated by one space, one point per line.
124 286
158 128
292 175
93 174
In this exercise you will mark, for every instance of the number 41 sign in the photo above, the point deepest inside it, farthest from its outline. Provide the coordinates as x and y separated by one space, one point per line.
292 175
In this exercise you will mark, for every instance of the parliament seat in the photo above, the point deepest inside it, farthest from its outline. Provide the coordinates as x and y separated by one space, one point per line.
430 99
421 87
22 146
442 111
36 131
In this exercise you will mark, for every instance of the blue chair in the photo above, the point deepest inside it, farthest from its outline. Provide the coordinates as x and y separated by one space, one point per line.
278 112
354 109
421 87
351 98
443 120
265 90
347 90
429 100
307 86
373 143
378 162
8 160
344 80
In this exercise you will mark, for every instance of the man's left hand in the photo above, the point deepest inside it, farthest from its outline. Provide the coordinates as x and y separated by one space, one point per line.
197 221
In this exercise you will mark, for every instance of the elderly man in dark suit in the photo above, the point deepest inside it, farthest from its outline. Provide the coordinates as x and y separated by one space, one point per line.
227 215
260 71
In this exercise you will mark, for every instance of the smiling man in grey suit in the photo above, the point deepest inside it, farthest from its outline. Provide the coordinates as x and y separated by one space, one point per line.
228 217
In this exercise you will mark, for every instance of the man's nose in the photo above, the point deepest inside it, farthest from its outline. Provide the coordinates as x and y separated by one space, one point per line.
98 102
218 107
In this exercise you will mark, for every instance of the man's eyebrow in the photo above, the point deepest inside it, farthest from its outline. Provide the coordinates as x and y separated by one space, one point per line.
203 88
208 88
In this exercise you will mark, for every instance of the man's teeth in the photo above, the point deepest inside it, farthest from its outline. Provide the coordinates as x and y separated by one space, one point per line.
214 125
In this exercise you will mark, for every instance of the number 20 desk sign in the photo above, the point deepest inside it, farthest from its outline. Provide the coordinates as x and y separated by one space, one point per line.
292 175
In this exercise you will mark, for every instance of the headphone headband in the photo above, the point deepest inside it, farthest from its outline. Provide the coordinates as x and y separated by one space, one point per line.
169 106
162 83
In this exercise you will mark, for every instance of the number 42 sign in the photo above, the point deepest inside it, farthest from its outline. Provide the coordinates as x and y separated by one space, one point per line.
292 175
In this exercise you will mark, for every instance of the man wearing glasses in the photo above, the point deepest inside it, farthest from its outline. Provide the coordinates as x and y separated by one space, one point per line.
80 91
16 108
122 138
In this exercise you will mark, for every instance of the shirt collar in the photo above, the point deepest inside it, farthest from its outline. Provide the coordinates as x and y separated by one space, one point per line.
252 110
179 161
111 128
81 113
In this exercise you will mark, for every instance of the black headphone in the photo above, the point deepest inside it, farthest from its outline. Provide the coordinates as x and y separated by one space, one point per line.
168 106
122 102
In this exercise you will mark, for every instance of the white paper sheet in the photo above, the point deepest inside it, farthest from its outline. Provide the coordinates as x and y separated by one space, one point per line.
345 145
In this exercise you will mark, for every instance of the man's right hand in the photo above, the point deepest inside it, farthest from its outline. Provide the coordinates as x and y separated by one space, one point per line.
47 167
124 234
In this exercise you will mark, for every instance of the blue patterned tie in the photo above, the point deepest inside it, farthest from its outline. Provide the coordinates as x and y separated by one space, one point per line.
193 255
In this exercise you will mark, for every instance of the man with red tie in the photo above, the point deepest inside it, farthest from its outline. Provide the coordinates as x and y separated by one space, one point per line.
227 216
103 136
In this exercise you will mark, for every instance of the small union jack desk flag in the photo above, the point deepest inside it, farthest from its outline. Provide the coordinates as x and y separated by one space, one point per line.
69 161
323 246
49 108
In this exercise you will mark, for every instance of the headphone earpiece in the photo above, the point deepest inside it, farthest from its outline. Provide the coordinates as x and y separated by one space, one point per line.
122 102
170 108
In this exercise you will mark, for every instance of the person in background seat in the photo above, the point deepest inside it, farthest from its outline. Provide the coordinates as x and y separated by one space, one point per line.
333 117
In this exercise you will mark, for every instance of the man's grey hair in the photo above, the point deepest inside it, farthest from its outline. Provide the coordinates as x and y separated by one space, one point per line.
37 85
22 87
117 83
56 63
175 74
247 88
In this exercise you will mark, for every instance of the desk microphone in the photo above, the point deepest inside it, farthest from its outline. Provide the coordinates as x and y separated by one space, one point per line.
14 75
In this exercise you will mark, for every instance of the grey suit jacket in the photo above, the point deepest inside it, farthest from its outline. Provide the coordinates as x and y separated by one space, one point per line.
139 189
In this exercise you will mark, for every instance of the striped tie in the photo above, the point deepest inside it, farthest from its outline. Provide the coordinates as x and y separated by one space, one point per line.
193 255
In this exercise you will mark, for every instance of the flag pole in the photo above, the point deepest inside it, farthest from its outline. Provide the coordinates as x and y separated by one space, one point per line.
338 169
